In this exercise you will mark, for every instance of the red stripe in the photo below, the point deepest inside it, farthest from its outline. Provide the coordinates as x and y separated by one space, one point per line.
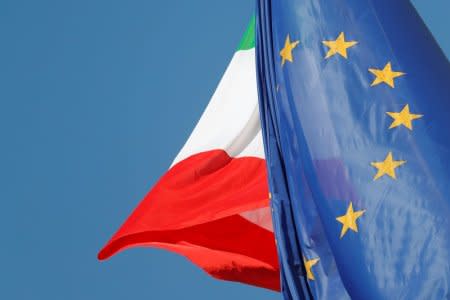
194 210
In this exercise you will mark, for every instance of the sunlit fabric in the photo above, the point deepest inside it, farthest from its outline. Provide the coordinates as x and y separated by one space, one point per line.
355 104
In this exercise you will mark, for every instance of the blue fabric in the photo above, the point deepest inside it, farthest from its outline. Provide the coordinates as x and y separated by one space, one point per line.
323 127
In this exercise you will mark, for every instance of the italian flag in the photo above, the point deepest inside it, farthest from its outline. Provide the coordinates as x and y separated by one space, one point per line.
212 205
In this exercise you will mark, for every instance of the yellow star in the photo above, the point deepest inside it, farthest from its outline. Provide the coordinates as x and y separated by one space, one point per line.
349 219
404 118
308 266
387 166
339 46
286 52
386 75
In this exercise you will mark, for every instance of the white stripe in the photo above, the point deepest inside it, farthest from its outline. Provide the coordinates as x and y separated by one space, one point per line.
231 122
231 119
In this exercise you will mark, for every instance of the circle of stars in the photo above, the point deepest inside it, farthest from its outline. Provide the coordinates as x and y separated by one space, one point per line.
404 117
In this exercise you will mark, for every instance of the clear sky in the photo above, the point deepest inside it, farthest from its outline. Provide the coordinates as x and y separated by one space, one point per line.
96 98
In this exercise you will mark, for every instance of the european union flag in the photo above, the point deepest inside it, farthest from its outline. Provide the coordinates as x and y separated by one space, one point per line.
355 111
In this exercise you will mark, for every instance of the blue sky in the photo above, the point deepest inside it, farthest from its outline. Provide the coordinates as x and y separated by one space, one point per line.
97 97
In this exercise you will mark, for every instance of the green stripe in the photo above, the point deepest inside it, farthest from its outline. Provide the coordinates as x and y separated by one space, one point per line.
248 40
